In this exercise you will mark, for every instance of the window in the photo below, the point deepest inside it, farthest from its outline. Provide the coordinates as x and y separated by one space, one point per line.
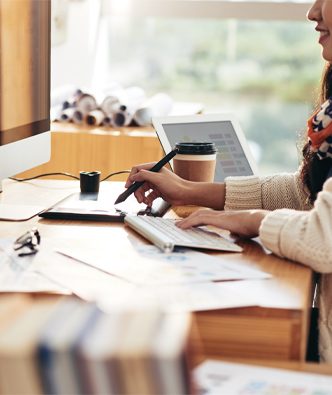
258 59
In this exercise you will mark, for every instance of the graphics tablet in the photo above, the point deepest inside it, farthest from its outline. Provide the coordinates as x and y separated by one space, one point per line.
99 207
233 158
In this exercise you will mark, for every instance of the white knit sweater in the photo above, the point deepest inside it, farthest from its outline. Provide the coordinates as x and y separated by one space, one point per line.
294 230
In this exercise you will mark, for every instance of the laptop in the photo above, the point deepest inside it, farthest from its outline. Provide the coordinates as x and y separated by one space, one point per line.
233 153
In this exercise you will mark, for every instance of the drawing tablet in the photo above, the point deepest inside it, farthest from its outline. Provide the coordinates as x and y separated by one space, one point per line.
99 207
233 158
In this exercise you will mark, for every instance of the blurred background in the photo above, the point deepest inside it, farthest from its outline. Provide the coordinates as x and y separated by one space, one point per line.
258 59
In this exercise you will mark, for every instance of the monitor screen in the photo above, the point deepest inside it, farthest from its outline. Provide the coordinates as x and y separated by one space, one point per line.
24 84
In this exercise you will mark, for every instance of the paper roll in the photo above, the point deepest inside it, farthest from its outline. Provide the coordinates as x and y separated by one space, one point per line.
86 103
78 117
56 112
132 98
110 104
67 115
63 94
95 117
71 100
122 118
158 105
143 116
107 121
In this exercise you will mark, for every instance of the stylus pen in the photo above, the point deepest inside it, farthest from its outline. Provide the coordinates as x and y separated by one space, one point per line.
158 166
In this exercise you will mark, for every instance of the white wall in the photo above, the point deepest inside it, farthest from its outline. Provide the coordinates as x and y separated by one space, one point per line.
73 60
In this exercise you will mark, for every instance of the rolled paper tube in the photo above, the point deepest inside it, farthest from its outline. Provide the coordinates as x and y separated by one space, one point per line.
71 99
95 117
132 98
121 118
143 116
160 104
109 105
107 121
56 112
78 117
86 103
157 106
67 114
63 94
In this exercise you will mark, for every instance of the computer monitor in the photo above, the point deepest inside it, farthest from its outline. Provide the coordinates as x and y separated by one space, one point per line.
25 139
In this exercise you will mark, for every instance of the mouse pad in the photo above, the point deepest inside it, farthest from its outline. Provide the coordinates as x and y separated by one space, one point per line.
99 207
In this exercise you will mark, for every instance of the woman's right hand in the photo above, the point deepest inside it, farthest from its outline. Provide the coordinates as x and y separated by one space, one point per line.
174 189
163 184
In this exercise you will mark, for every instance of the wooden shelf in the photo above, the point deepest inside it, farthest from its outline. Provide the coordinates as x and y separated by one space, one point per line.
78 148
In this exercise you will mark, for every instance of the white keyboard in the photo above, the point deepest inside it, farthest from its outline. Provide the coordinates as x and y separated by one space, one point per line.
166 235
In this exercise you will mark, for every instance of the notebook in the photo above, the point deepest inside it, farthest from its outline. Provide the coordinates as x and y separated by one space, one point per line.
233 158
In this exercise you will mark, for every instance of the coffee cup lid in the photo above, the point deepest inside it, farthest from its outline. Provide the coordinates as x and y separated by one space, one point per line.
196 148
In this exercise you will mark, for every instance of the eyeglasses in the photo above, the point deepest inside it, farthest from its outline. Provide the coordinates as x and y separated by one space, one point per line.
29 241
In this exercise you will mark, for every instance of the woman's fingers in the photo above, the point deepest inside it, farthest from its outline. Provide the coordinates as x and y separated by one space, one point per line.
198 218
141 192
245 223
149 199
135 170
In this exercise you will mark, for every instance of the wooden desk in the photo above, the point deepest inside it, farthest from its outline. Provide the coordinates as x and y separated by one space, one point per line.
277 329
78 148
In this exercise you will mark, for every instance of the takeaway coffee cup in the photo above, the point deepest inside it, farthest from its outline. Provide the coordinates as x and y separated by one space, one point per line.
195 161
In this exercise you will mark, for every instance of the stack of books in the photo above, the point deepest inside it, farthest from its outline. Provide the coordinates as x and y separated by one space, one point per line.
71 347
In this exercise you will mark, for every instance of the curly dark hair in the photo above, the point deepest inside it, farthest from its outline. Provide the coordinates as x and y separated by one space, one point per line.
314 170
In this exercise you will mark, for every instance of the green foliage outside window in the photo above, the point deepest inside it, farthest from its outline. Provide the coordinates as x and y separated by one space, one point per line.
265 72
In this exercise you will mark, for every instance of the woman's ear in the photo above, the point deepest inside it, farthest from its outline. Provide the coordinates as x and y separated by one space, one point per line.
328 185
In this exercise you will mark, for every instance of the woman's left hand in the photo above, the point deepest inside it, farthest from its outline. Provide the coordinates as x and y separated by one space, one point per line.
244 223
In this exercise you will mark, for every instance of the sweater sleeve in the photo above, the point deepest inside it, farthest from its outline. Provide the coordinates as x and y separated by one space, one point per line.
269 193
303 236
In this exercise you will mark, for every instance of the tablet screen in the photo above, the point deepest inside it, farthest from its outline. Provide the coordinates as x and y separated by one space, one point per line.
231 157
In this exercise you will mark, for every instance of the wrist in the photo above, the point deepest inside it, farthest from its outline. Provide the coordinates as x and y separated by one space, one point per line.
204 194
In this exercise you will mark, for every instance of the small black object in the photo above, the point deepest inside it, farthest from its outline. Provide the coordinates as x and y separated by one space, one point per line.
89 181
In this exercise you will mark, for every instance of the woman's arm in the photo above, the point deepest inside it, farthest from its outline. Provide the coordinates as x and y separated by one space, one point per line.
237 193
305 237
174 189
269 193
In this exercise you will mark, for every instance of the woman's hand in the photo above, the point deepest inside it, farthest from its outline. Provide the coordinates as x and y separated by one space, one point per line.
175 190
163 184
244 223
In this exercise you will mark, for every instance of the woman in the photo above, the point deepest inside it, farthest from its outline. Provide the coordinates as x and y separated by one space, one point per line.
292 213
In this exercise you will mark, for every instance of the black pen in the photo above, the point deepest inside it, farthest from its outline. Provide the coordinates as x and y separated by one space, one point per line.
158 166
